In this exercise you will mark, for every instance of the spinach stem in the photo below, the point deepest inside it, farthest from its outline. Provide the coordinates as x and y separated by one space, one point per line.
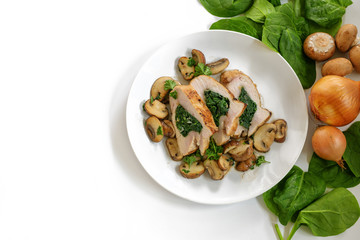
293 230
278 232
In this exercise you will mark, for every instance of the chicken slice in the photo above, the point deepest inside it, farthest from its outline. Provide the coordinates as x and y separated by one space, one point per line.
189 99
234 81
228 123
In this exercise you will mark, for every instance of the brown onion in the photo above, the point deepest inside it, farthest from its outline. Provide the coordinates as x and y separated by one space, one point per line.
335 100
329 143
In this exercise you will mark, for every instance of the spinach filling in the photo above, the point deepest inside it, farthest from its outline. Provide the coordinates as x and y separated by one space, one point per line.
217 104
185 122
249 112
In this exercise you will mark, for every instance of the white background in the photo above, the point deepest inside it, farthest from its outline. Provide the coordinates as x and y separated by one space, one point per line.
67 170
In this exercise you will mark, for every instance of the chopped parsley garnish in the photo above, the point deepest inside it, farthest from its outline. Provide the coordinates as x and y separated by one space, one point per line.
159 131
217 104
190 159
191 62
202 69
260 160
214 151
169 85
185 122
249 112
185 171
151 100
173 94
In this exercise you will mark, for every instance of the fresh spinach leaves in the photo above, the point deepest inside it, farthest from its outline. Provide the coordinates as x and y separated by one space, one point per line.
330 215
275 2
290 46
352 152
226 8
249 112
185 122
217 104
332 174
326 12
294 192
240 24
259 10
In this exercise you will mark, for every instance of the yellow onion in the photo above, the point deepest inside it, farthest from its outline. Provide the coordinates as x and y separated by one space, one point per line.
329 143
335 100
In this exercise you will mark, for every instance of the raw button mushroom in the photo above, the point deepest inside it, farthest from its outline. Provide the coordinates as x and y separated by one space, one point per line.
281 129
319 46
154 129
218 66
264 137
194 171
156 108
345 37
354 56
337 66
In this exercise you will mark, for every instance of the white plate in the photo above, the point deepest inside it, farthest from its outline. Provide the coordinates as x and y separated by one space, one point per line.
281 92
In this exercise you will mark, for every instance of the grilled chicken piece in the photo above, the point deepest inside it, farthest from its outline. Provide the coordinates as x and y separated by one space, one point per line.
190 100
234 80
227 123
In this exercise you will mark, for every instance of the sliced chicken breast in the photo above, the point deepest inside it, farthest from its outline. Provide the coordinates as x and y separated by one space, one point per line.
229 122
189 100
234 81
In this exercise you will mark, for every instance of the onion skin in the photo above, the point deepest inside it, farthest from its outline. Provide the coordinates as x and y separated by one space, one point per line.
335 100
329 143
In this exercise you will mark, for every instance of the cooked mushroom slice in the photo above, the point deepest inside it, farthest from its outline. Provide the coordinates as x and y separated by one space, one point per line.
281 129
186 71
225 162
173 148
246 165
264 137
154 129
198 56
160 88
156 108
214 170
218 66
239 150
168 128
319 46
194 171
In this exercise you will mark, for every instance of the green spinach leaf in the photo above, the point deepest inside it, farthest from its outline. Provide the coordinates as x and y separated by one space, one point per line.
275 2
352 152
240 24
217 104
259 10
291 49
185 122
330 215
294 192
326 12
314 27
333 175
226 8
249 112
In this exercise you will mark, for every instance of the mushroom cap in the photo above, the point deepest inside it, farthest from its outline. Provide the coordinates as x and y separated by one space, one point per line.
354 56
319 46
264 137
345 37
239 150
194 171
156 108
